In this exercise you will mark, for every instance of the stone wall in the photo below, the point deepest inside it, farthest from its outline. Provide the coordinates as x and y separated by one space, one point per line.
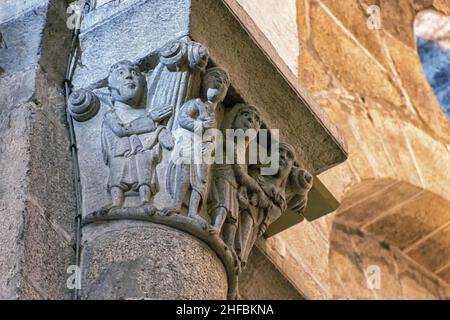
36 196
372 85
394 188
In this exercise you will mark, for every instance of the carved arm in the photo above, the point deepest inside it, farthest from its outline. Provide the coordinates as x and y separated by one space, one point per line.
188 114
299 184
139 126
244 179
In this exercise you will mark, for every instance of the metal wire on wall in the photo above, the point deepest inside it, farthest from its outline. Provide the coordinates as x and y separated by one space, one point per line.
86 5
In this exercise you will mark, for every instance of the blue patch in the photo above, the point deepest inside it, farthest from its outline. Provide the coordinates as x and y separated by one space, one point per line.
436 65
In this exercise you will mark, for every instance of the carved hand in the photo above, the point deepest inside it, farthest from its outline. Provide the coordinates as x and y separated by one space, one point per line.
277 198
140 125
261 200
160 113
209 123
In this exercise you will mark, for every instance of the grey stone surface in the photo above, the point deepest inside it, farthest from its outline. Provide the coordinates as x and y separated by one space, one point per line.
12 8
13 146
261 280
130 31
38 213
35 230
136 260
27 291
36 193
46 254
36 35
17 88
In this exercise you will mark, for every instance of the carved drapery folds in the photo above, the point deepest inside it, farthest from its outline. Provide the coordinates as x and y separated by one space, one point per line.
159 135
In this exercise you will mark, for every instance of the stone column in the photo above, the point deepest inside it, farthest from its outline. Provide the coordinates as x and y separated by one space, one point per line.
143 260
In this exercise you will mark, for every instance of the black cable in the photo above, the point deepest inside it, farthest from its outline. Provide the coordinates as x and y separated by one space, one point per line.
74 150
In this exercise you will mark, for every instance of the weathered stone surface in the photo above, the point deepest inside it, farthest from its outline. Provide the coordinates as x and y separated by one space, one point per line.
11 8
353 16
285 22
42 45
433 253
13 132
371 206
261 280
17 88
445 274
36 193
135 260
395 129
366 76
127 31
399 278
23 51
412 220
308 269
47 253
31 233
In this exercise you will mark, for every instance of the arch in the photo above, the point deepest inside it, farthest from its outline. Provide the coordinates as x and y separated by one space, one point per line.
401 229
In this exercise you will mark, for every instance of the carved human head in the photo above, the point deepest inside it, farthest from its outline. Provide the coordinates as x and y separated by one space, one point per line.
126 82
287 159
247 117
215 84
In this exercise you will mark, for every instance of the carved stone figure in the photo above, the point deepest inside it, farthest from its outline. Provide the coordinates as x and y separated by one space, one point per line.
299 184
177 77
231 182
131 136
254 220
191 160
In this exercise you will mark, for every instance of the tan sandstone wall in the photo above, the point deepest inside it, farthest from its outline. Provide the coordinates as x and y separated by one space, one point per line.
394 189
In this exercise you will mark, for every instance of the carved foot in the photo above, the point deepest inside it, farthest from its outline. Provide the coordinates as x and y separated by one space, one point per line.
105 210
166 212
149 209
200 220
213 230
236 261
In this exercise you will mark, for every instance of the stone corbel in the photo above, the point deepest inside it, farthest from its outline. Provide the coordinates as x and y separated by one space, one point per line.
132 121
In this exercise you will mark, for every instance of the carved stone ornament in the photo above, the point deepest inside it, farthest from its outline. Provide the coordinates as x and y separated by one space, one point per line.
147 147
